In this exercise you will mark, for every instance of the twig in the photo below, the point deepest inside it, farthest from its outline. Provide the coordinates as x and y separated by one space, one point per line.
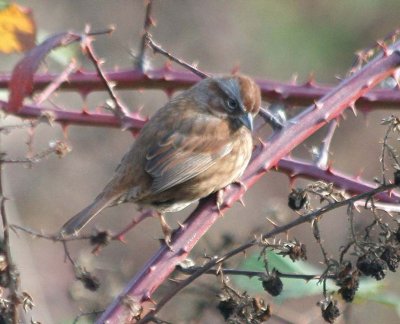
142 216
120 110
13 285
345 249
59 148
8 128
54 238
250 274
382 159
106 31
271 119
53 86
158 49
317 236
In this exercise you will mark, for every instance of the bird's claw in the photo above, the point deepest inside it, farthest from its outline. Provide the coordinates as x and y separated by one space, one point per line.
220 200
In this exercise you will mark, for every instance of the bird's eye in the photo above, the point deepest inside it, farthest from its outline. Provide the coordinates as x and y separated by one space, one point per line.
232 104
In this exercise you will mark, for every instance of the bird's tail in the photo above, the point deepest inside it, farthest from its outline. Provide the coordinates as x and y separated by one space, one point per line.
77 222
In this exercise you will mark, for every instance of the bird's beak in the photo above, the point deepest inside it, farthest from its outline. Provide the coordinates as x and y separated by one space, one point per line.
247 120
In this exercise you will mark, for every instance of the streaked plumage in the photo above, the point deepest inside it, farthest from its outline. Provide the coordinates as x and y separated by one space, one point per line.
197 144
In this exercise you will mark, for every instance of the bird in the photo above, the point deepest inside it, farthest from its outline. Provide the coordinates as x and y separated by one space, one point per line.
195 145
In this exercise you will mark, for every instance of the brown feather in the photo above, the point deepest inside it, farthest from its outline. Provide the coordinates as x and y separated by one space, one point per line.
186 151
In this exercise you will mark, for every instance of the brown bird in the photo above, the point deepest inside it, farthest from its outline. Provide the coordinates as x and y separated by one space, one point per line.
197 144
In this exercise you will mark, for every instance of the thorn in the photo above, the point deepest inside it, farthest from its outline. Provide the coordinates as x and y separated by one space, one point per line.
329 167
169 92
318 105
121 238
135 132
293 79
181 226
64 127
381 44
147 297
218 270
369 84
262 142
167 66
153 22
359 174
241 201
235 69
152 268
80 70
327 117
272 222
353 108
311 80
183 250
87 28
292 179
112 84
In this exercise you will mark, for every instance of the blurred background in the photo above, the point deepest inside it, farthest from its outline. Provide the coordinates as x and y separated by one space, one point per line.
277 40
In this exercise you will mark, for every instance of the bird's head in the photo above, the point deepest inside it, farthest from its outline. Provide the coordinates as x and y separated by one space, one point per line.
236 98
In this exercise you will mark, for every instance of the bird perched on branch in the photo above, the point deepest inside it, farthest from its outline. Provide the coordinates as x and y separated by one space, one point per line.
197 144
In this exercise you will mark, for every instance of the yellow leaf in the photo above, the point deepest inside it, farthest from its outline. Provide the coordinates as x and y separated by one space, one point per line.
17 29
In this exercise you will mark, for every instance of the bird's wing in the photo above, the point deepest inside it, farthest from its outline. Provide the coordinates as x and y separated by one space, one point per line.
180 156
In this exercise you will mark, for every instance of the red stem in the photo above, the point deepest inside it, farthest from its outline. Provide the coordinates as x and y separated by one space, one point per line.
171 80
352 185
132 122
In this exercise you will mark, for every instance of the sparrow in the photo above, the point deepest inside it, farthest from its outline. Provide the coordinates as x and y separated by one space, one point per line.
195 145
